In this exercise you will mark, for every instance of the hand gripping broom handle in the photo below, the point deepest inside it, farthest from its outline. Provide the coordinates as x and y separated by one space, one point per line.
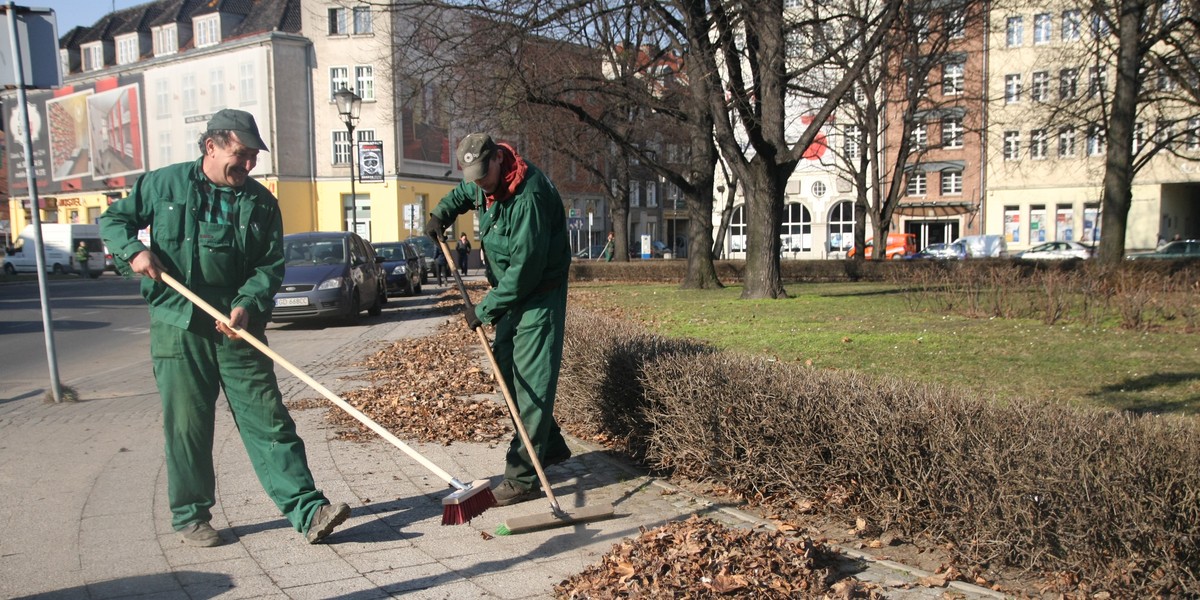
354 412
508 397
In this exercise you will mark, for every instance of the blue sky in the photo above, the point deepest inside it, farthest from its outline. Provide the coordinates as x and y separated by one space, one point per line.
70 13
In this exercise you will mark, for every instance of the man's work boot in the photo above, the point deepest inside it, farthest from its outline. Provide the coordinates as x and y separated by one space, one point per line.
509 493
556 458
199 534
324 520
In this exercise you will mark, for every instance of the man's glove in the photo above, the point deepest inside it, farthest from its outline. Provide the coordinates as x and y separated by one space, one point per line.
434 228
473 321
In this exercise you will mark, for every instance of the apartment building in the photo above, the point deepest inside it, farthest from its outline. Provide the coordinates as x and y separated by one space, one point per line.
1051 74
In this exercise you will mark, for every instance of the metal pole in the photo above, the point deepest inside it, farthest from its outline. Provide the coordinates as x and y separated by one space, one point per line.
353 159
34 209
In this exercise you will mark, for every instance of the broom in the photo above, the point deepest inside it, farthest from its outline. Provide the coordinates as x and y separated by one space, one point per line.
464 504
557 517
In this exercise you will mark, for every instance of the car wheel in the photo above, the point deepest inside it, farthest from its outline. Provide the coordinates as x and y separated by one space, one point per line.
376 308
355 308
409 288
58 269
9 269
424 277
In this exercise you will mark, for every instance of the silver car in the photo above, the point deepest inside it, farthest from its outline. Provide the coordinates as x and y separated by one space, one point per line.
1060 250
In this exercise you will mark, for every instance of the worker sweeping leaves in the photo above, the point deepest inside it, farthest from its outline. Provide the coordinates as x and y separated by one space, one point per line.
523 231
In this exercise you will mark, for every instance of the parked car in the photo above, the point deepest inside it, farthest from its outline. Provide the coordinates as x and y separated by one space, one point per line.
596 251
428 251
401 267
950 251
657 249
1173 250
329 275
899 245
1060 250
984 246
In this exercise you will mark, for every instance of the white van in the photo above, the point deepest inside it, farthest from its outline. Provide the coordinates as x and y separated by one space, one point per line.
984 246
59 241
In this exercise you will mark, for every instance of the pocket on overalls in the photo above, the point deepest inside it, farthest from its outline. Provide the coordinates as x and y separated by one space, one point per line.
218 255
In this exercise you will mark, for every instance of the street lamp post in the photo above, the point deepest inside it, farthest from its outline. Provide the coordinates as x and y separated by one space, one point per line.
348 105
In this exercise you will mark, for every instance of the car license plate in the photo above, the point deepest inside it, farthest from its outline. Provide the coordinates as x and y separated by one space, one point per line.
302 301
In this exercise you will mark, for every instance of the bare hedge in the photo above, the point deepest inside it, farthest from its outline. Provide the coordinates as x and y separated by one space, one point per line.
1111 498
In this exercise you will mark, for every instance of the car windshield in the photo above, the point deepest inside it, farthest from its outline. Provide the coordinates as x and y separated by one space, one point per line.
390 251
424 245
313 252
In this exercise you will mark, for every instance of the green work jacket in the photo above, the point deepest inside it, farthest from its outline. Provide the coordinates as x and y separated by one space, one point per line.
229 265
524 240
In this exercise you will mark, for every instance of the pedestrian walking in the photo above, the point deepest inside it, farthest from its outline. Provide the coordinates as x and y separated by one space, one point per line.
82 256
523 227
464 251
220 233
441 268
609 248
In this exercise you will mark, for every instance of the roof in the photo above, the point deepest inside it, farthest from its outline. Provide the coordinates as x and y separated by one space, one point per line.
259 16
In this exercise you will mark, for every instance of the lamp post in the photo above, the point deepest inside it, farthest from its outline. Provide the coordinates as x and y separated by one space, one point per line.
348 105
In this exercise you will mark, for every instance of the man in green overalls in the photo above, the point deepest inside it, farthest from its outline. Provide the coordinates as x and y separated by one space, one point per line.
523 233
219 232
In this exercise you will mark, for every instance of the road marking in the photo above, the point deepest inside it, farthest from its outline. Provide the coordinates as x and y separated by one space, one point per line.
137 330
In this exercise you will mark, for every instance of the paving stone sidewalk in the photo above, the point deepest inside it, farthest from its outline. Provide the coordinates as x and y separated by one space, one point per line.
83 509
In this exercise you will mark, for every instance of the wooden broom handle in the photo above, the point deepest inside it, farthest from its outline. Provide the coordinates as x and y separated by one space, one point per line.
354 412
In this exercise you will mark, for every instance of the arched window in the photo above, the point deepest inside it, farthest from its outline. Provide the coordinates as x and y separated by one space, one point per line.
796 232
737 229
841 227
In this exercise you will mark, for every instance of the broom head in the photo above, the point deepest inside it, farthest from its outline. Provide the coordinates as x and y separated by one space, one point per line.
466 504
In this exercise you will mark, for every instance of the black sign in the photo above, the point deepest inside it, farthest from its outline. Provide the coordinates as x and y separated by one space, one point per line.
370 161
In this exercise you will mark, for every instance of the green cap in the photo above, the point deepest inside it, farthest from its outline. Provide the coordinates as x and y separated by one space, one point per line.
240 122
474 152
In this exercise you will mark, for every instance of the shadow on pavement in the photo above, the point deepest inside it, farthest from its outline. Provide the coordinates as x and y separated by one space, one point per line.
196 584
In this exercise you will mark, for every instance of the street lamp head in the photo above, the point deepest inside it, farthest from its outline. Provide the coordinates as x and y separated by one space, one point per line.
348 105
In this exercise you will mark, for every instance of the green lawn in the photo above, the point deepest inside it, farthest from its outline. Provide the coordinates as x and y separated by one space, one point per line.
871 328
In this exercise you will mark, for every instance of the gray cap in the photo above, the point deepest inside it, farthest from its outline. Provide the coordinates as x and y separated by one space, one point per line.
474 152
240 122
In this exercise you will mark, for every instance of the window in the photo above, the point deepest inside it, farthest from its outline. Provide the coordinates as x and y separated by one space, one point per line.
1139 136
919 136
1068 84
737 229
920 23
819 188
1039 88
164 148
952 79
187 94
635 190
651 195
796 232
1041 28
127 49
166 40
1066 142
1099 26
339 77
916 184
1014 31
1193 134
1164 133
362 20
92 56
246 83
339 21
162 98
208 31
1169 11
1012 145
852 142
952 132
951 183
1071 20
341 147
841 227
1097 81
364 82
216 89
956 24
1095 140
1012 88
1039 146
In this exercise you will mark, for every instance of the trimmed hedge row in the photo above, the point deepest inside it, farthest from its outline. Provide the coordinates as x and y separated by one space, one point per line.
1111 498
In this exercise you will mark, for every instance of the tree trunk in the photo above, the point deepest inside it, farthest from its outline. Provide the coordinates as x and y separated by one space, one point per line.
764 209
1118 160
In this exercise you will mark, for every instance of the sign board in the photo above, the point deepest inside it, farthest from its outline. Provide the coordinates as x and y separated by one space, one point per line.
645 245
370 161
37 33
575 223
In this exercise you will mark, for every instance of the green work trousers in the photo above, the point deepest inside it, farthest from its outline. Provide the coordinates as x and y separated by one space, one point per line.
528 348
191 367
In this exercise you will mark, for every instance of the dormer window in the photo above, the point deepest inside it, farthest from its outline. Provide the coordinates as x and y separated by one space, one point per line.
127 49
166 40
207 30
92 56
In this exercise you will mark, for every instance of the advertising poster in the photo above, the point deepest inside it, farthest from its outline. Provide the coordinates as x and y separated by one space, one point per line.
114 119
1037 225
1065 221
1012 226
70 157
370 161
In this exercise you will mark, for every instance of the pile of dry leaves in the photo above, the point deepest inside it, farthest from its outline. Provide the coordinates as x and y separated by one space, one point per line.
700 558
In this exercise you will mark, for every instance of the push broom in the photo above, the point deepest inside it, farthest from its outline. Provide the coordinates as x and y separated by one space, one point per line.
557 517
464 504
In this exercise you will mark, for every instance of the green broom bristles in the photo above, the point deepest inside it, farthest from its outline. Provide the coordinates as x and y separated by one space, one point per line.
468 503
